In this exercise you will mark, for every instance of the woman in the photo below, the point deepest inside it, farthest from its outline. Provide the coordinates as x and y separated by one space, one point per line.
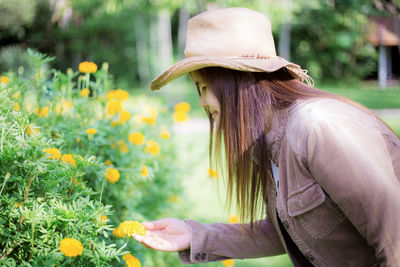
334 197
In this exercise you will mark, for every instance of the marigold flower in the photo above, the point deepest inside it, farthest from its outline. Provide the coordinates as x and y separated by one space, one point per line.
16 107
165 134
108 162
117 232
54 152
112 175
132 227
152 147
113 107
73 180
4 79
145 171
228 263
78 140
180 116
19 204
114 123
71 247
30 130
117 94
233 218
212 173
16 95
124 148
124 116
103 218
84 92
67 158
87 67
43 112
131 261
149 120
136 138
173 199
91 131
182 107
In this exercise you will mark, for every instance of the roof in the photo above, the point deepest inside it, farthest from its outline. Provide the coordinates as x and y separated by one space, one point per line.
382 31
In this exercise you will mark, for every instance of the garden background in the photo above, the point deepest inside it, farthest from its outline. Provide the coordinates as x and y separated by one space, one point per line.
67 133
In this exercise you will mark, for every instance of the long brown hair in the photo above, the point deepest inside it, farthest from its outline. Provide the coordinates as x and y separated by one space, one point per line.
248 103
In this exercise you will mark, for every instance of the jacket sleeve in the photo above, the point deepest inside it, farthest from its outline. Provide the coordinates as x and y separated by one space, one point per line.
351 162
219 241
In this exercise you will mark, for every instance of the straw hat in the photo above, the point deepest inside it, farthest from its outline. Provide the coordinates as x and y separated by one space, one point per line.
233 38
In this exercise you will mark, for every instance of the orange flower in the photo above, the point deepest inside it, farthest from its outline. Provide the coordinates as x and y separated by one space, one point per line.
43 112
31 129
4 80
152 147
228 263
67 158
233 218
131 227
71 247
87 67
118 233
145 171
118 94
212 173
149 120
124 116
91 131
112 175
54 152
180 116
131 261
108 162
113 107
136 138
103 218
182 107
84 92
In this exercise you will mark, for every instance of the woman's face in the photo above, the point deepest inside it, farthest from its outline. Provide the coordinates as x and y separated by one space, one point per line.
208 100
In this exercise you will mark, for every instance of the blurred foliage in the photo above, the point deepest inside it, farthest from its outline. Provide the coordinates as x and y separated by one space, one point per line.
327 36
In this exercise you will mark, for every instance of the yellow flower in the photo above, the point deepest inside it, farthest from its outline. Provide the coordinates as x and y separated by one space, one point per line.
73 180
54 152
136 138
108 162
118 94
30 130
130 227
228 263
117 232
4 80
16 95
182 107
78 140
180 116
112 175
84 92
91 131
165 134
212 173
71 247
173 199
87 67
124 148
145 171
124 116
103 218
43 112
113 107
233 218
67 158
131 261
16 107
114 123
149 120
66 106
152 147
19 204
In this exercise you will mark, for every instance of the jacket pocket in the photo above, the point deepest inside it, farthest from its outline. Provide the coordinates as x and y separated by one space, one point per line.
315 211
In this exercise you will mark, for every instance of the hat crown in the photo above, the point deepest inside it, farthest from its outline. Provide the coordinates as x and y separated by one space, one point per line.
229 32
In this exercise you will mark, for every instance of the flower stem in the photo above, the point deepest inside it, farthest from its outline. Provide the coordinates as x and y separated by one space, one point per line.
102 187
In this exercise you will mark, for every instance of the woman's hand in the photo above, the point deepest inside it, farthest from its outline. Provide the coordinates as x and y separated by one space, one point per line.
166 235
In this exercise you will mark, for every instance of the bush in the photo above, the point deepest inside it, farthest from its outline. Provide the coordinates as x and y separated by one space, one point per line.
74 165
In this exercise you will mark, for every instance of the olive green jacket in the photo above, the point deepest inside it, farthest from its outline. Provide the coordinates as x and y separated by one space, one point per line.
338 197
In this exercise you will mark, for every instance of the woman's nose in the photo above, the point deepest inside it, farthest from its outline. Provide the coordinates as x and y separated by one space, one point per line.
203 102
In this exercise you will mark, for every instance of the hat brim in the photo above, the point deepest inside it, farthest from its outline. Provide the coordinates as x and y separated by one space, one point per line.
236 63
